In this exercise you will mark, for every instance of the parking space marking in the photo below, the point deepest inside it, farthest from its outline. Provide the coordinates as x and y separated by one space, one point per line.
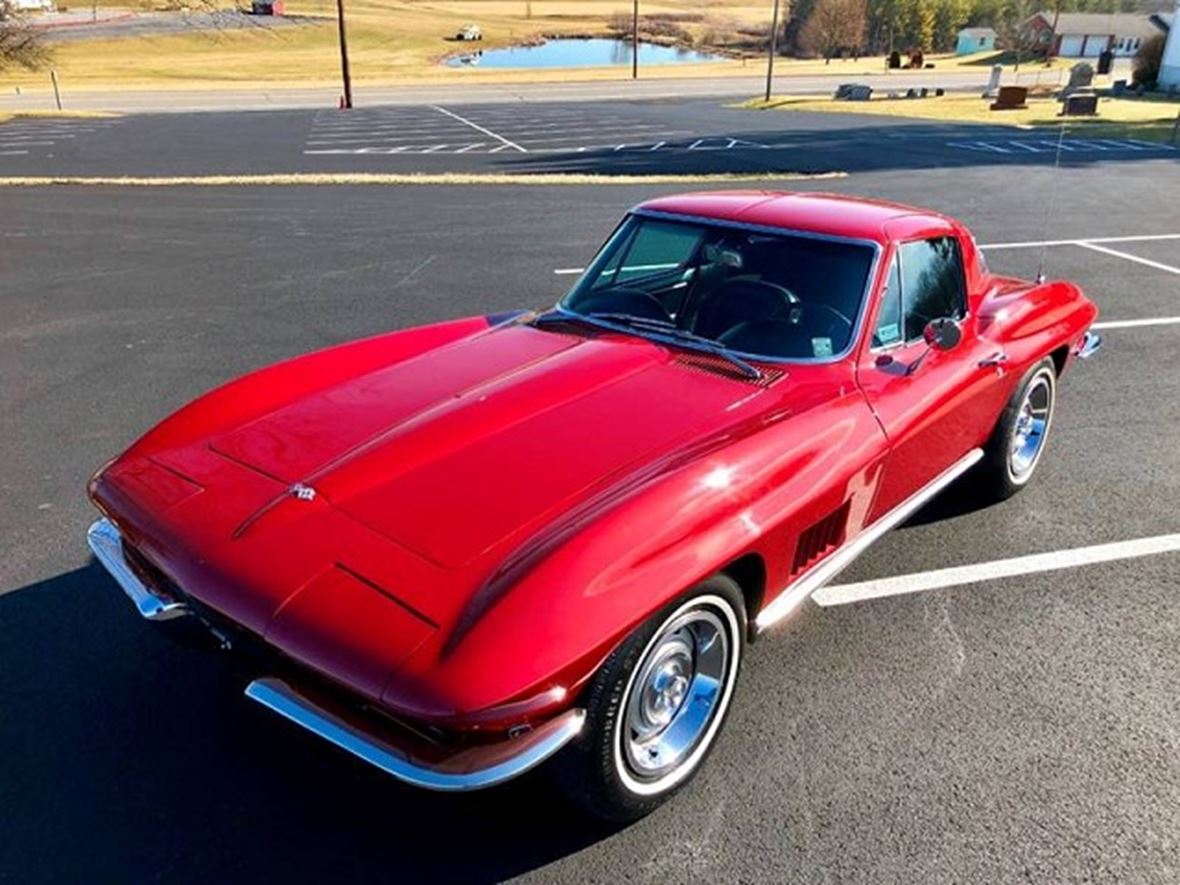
1128 256
1016 146
478 128
20 137
1036 244
482 130
939 579
1134 324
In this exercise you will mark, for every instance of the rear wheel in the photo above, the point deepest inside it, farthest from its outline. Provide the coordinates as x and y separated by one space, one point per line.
1021 434
655 707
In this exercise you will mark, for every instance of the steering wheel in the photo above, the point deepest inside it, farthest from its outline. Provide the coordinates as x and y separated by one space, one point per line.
746 300
623 299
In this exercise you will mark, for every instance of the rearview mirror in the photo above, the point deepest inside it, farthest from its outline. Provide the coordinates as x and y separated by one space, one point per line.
942 334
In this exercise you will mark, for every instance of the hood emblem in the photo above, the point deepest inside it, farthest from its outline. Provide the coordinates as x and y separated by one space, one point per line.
302 492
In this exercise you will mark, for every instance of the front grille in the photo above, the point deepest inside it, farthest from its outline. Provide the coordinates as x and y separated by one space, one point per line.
253 656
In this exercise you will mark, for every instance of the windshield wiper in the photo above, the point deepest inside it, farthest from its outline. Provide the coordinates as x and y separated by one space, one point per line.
671 330
620 322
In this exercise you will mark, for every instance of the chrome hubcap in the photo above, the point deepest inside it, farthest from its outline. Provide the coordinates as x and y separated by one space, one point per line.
1032 422
675 693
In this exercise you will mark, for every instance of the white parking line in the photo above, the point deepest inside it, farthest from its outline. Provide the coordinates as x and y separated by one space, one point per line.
1035 244
476 126
1129 257
843 594
1134 324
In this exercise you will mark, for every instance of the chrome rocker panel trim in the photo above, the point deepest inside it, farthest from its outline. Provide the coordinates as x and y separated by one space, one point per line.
810 581
470 769
1088 346
106 543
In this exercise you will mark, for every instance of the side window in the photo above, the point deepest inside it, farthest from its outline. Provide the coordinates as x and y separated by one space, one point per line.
932 283
888 329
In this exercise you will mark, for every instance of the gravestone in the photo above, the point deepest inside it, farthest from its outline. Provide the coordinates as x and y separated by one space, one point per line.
1081 76
853 92
1011 98
1080 104
993 83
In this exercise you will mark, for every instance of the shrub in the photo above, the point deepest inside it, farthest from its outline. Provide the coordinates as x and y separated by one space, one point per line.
1148 59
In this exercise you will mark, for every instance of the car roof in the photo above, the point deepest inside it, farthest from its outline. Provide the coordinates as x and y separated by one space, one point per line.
820 213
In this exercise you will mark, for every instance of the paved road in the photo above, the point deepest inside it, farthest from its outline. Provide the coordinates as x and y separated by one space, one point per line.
277 96
681 135
1007 731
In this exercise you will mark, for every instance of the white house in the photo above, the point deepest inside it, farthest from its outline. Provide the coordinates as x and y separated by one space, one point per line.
1170 67
1089 34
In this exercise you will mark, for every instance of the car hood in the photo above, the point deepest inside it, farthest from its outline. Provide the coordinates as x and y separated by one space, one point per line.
454 452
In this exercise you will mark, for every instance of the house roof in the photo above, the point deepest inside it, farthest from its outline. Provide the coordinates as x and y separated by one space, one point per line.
1116 24
977 32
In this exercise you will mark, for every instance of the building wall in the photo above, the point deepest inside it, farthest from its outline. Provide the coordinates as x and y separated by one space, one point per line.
968 44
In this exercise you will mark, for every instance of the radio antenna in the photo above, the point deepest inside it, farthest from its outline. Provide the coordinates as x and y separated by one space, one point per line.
1051 203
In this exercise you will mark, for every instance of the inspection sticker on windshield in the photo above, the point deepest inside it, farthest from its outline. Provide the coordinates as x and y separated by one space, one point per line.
821 346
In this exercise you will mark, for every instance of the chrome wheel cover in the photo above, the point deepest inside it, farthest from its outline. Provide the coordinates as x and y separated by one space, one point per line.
1031 427
676 696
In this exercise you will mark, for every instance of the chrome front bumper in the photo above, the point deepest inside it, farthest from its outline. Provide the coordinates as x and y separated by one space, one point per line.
471 768
107 546
1088 346
467 768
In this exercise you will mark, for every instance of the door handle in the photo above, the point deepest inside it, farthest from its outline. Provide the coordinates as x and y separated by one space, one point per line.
996 359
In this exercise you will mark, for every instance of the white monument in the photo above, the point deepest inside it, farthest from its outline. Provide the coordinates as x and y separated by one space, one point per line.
1170 66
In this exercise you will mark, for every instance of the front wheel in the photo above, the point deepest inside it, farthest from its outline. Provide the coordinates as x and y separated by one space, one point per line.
1016 446
656 705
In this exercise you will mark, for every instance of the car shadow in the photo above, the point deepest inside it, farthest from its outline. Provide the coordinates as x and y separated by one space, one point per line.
128 757
960 498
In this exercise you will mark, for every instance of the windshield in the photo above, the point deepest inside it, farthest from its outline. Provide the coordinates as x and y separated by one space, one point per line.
780 296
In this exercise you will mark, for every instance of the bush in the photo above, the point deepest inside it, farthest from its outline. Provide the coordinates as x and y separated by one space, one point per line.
1148 60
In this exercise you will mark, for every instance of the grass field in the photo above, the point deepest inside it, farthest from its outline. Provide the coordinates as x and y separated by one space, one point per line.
404 41
1147 118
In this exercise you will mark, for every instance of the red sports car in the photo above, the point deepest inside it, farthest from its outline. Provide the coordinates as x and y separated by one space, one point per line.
460 549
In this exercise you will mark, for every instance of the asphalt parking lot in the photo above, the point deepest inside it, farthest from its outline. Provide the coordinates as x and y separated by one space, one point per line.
1022 729
643 137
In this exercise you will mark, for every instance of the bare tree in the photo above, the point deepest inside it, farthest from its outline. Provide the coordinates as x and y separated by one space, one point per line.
20 44
835 25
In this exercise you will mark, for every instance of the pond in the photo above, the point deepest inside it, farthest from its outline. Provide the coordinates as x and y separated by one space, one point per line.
596 52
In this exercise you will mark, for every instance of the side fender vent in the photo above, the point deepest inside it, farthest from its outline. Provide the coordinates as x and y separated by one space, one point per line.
820 538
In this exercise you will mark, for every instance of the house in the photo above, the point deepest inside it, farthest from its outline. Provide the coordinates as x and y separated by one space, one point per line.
1170 66
32 5
975 40
1089 34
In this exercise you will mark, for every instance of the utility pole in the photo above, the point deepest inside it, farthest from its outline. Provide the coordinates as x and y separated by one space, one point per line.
635 40
344 55
773 49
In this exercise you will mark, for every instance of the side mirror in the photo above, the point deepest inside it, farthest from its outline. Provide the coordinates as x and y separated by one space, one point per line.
942 334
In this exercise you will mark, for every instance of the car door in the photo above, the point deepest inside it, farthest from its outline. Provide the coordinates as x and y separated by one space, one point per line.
934 405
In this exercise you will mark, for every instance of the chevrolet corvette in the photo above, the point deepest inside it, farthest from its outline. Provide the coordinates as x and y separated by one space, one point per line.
462 550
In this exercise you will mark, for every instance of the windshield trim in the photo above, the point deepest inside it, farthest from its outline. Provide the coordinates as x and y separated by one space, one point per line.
756 358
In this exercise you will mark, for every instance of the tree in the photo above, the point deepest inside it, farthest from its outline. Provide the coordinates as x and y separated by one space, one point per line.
949 17
20 44
834 25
